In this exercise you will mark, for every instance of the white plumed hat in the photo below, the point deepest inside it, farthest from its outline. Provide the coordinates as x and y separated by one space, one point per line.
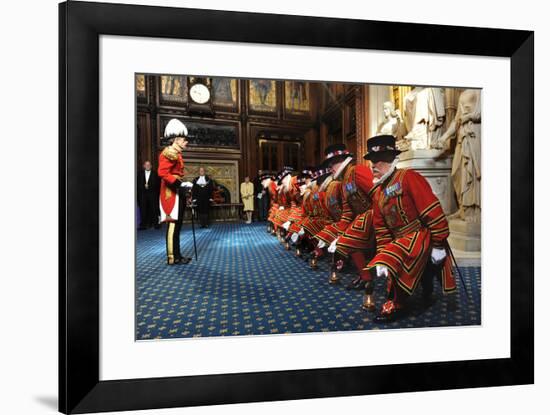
175 128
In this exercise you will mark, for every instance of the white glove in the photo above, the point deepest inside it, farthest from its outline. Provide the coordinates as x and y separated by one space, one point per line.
438 255
301 232
294 238
186 184
321 244
259 196
281 207
286 225
382 271
332 247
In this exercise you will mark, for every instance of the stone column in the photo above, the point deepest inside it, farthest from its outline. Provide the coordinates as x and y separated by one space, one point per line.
378 94
436 168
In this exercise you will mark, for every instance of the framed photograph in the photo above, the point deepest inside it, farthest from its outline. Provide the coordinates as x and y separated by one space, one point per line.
255 232
264 97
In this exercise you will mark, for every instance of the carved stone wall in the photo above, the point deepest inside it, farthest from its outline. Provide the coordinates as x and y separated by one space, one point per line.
437 171
225 172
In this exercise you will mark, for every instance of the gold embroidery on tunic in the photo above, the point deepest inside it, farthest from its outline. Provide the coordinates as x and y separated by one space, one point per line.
170 153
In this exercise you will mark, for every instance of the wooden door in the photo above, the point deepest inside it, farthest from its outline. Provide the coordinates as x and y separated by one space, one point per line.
275 154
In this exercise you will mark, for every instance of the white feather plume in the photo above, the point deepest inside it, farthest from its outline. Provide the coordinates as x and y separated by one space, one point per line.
175 128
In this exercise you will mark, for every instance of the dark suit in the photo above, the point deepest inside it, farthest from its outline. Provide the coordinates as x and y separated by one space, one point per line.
202 194
148 199
263 203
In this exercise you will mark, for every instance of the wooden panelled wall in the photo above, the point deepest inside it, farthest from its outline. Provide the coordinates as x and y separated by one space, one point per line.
338 113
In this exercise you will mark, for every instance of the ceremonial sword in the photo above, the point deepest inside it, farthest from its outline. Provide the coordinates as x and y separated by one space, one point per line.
193 228
457 268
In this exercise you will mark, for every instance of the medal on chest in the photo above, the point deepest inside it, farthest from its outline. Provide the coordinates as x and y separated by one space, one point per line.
393 190
351 188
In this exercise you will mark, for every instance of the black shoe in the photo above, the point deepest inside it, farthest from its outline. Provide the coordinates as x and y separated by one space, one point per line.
427 300
356 284
389 313
383 318
182 260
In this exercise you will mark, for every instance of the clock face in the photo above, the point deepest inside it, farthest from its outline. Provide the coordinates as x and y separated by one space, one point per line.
199 93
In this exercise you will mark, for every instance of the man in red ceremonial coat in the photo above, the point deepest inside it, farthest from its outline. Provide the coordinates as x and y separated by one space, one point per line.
331 203
355 232
285 201
268 182
411 229
316 217
296 217
173 189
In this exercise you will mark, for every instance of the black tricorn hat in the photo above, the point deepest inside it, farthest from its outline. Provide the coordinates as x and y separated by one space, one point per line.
335 153
381 145
266 174
306 173
283 173
320 173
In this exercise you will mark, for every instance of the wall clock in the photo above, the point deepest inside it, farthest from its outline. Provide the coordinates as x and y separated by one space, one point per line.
200 95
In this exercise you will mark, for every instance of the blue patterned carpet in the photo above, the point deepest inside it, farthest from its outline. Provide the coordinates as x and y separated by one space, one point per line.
246 283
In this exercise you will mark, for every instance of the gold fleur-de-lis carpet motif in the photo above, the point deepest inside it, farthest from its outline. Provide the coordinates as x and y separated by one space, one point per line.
246 283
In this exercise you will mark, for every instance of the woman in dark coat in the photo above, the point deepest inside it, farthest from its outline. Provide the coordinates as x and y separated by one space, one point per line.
202 196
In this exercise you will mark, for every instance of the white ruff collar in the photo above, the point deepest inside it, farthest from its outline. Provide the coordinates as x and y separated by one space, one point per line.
286 182
387 174
342 167
325 183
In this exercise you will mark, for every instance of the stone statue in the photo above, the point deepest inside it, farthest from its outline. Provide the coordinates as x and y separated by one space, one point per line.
466 168
424 117
393 125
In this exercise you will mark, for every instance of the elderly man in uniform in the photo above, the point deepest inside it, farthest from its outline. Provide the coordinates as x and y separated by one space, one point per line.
300 184
356 234
411 229
316 216
173 189
285 200
268 183
332 202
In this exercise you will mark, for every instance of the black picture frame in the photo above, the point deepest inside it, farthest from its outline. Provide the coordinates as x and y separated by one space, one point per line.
80 25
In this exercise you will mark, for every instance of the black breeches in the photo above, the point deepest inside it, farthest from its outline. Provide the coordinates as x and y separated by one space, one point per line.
173 230
149 209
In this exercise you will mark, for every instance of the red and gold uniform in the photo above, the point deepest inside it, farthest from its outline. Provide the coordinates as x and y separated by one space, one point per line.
273 200
306 211
171 173
333 206
296 210
409 222
318 216
285 203
355 224
284 197
355 234
172 199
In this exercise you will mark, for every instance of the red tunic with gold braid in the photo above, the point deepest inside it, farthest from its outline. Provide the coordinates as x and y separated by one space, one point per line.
296 212
333 206
170 169
409 222
306 212
318 216
297 209
273 200
355 225
281 215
